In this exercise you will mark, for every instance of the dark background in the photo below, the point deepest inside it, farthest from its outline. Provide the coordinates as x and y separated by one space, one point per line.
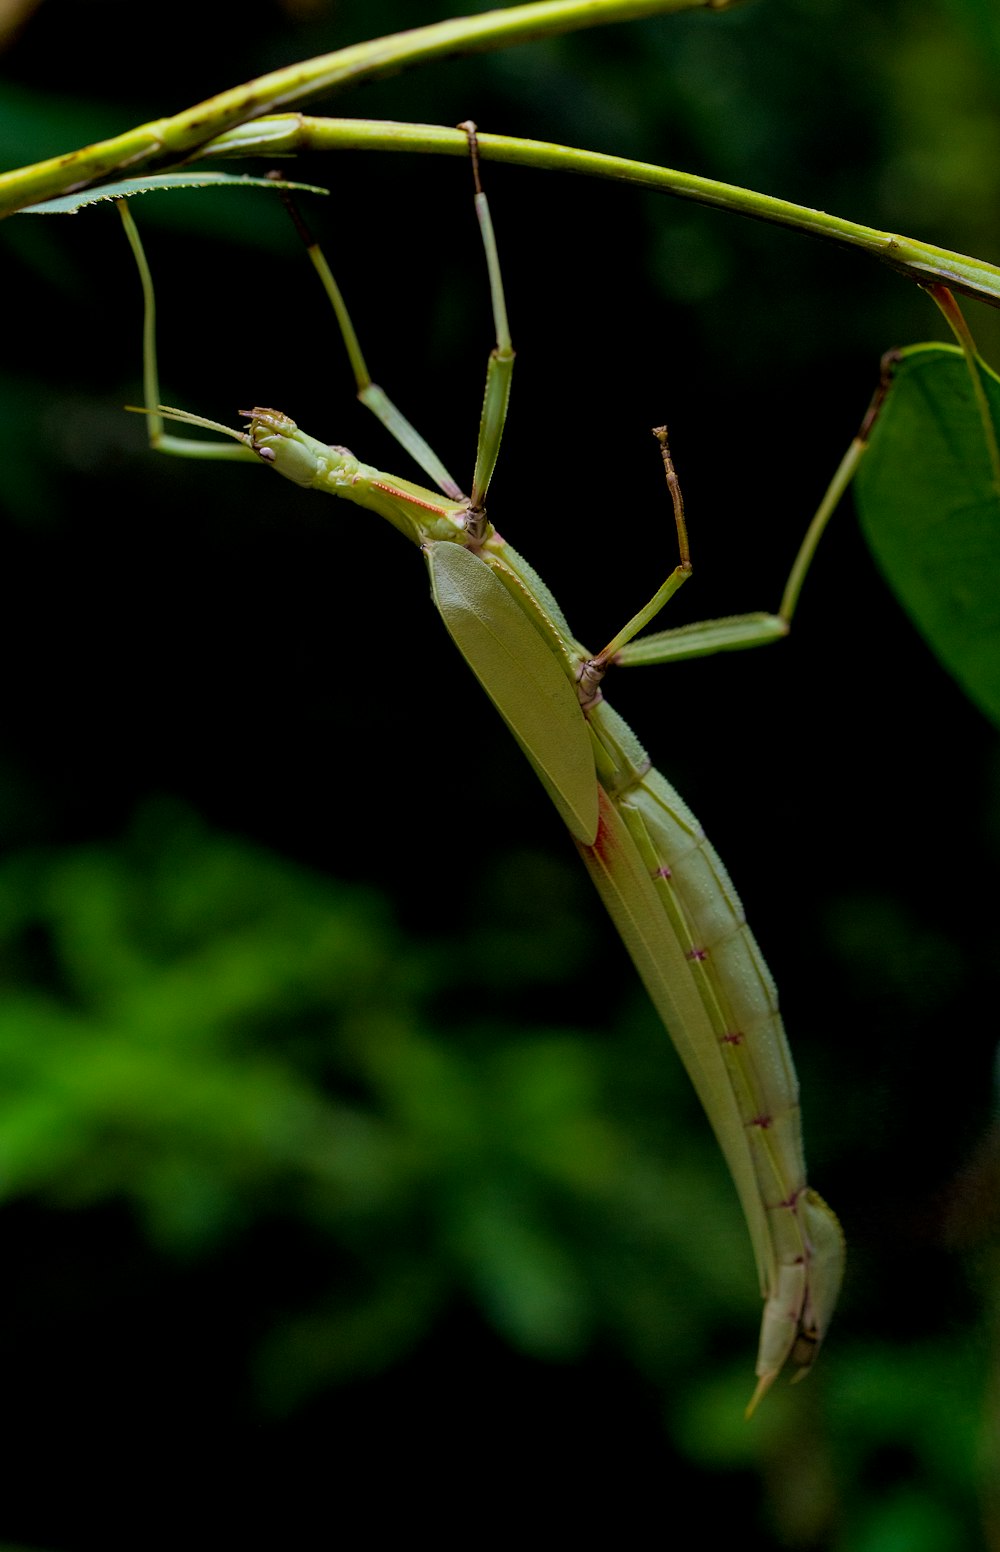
347 1172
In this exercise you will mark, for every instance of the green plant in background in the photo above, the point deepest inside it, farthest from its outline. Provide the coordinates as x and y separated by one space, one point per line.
936 452
183 1022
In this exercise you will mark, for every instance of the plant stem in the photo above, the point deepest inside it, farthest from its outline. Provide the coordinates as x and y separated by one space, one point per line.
165 142
919 261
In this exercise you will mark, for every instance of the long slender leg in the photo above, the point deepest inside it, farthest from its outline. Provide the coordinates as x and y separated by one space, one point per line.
946 302
593 672
498 372
369 392
501 363
159 440
742 630
754 630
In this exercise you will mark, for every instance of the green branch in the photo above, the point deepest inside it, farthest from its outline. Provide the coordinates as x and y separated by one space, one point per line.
239 123
165 142
919 261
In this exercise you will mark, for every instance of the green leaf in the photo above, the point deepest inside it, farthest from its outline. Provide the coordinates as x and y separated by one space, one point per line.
930 510
69 204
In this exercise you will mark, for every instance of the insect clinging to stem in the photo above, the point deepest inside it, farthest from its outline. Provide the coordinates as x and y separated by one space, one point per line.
665 889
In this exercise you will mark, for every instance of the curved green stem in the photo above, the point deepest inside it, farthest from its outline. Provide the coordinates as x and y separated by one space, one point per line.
919 261
164 142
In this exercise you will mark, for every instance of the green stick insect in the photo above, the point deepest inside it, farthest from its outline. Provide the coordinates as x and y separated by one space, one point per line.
664 887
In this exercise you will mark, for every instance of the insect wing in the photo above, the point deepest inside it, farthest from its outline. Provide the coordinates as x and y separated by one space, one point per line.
522 678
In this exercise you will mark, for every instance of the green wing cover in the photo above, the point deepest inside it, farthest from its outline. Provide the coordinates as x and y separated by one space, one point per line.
524 679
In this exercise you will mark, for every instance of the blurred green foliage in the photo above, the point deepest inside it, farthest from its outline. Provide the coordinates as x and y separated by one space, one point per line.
182 1015
318 1205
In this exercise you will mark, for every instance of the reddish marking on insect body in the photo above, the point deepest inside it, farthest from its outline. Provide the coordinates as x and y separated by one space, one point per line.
408 497
697 953
604 840
736 1038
